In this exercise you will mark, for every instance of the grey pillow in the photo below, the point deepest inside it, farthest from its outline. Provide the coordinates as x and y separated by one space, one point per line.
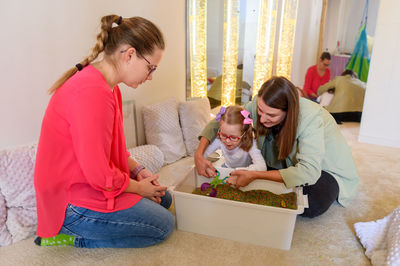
161 124
150 156
194 116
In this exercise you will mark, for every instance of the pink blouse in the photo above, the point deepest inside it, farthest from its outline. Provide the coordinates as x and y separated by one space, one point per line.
81 157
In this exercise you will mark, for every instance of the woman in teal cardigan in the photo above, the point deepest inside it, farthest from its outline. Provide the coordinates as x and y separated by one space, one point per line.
301 144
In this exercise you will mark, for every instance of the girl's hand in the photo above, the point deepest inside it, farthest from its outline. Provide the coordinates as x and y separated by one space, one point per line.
211 173
204 167
242 178
149 187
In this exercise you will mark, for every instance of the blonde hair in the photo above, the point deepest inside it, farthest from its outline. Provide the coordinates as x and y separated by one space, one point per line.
232 116
137 32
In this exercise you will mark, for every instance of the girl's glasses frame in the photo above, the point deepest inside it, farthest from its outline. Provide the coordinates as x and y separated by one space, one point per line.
223 136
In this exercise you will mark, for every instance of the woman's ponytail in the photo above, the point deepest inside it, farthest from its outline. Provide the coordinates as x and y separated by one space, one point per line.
102 39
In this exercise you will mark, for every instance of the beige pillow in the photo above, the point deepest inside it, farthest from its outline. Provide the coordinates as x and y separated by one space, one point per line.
161 125
194 116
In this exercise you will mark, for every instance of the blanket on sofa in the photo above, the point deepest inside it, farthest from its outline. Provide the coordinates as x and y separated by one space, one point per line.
17 194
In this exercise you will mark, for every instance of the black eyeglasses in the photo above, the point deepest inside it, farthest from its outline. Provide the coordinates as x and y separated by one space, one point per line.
152 67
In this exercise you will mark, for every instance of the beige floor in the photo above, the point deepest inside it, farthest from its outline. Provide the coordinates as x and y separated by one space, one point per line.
326 240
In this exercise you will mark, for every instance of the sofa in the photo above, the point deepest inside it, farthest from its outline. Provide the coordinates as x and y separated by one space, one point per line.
171 130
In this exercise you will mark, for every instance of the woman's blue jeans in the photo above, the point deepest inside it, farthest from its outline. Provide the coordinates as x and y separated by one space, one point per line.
144 224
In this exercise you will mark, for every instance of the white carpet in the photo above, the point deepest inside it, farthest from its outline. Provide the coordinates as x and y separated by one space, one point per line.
326 240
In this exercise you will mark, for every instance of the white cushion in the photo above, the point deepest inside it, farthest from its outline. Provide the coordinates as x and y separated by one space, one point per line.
5 236
16 185
21 223
194 116
161 124
150 156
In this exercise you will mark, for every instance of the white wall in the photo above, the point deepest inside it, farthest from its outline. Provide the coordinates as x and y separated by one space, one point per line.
331 25
343 20
351 13
43 38
380 122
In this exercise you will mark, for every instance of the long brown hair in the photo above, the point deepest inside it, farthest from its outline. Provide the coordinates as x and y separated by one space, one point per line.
280 93
138 32
232 116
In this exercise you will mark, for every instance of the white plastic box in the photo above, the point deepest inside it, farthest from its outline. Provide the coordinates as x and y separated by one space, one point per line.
245 222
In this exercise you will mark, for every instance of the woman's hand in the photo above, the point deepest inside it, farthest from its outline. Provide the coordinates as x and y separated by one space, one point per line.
240 178
146 174
231 180
151 189
148 188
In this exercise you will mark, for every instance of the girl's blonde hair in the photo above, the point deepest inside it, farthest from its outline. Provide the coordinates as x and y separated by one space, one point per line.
232 116
137 32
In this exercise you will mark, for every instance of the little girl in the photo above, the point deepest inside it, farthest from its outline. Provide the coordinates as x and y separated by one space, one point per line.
236 140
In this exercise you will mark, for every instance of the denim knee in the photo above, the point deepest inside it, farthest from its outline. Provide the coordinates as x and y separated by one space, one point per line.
166 201
169 225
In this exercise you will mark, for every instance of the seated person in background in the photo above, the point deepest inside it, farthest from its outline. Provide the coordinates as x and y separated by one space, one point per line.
348 99
316 76
236 140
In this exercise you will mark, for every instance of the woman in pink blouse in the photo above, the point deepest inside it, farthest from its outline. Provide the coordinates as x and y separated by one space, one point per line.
90 192
316 76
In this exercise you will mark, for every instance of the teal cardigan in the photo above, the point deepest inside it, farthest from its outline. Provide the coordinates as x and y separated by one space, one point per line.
319 145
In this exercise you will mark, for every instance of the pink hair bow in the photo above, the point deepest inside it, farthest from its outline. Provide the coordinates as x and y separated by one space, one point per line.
247 120
220 113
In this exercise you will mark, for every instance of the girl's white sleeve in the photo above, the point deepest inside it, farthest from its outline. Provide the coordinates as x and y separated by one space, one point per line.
258 162
215 145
